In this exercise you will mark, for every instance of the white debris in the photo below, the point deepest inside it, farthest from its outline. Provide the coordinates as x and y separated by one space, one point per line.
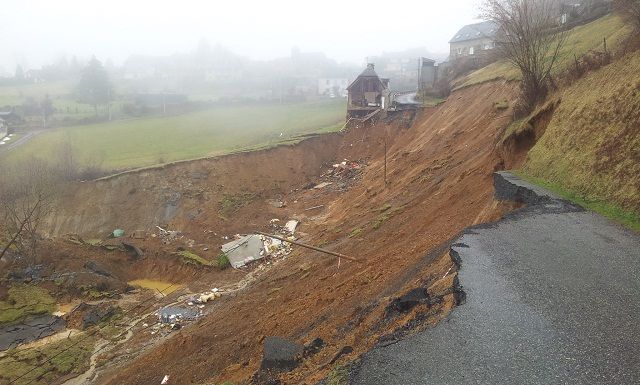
291 225
323 185
204 298
165 380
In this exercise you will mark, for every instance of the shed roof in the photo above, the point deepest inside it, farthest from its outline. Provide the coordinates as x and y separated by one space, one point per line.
246 249
368 72
475 31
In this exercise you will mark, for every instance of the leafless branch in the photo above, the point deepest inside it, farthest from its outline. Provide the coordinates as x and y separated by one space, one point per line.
530 38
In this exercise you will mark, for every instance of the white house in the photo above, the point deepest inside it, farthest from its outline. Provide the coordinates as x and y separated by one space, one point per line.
333 86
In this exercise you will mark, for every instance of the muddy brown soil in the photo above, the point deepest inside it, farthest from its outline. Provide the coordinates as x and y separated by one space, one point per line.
439 181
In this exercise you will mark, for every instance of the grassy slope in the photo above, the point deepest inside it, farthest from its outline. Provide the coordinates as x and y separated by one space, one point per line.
147 141
591 147
580 40
23 301
590 152
44 365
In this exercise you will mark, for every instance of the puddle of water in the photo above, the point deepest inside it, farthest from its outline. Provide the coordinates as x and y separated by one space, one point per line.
157 286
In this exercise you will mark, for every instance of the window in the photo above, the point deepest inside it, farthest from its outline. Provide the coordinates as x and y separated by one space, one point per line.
471 50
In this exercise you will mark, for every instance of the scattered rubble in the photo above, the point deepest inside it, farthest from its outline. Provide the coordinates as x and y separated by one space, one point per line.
322 185
277 203
341 175
168 236
175 314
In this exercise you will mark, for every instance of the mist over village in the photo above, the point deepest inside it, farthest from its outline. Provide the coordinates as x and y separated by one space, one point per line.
333 193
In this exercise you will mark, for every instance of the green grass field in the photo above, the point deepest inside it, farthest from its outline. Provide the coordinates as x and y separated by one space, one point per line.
143 142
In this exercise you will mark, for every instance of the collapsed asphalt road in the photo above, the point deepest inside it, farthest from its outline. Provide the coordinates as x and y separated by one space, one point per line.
408 98
552 297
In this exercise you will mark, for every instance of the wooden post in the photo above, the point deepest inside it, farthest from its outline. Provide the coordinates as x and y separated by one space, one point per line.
385 159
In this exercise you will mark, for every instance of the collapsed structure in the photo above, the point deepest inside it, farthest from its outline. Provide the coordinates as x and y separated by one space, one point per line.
367 94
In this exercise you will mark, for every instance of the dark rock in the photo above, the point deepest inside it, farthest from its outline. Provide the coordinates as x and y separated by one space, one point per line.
313 347
343 352
455 257
280 354
85 315
130 247
409 300
95 268
459 294
29 330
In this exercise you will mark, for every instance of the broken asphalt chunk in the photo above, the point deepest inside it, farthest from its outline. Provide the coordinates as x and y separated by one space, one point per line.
280 354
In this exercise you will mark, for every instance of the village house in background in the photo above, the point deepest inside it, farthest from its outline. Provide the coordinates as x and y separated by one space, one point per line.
333 87
367 94
473 41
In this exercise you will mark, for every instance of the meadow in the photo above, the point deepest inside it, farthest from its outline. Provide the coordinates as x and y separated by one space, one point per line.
133 143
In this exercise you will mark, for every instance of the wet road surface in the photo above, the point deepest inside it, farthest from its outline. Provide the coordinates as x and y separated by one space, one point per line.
552 298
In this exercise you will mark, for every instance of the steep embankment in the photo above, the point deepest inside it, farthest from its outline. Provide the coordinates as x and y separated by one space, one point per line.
439 182
591 145
189 194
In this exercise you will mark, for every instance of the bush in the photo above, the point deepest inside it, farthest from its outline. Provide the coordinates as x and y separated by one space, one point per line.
223 261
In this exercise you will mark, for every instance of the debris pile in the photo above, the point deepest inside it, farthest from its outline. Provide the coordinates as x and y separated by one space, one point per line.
175 315
168 236
252 247
342 175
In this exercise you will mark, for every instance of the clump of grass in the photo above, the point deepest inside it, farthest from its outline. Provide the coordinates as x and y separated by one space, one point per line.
47 364
355 232
23 301
502 104
232 203
386 213
339 375
383 208
190 258
223 261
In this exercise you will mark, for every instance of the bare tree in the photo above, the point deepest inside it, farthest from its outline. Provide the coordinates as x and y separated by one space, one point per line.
26 198
630 11
530 39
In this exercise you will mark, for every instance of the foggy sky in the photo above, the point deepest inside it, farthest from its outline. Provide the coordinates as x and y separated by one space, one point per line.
35 32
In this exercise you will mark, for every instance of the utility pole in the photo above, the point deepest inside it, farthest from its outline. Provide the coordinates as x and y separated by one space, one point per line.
385 159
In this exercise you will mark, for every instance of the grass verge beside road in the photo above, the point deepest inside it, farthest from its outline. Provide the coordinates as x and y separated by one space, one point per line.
606 209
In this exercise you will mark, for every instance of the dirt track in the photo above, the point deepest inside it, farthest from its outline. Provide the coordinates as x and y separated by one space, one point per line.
439 182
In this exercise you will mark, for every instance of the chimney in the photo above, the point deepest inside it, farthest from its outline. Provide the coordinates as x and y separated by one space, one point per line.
371 65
